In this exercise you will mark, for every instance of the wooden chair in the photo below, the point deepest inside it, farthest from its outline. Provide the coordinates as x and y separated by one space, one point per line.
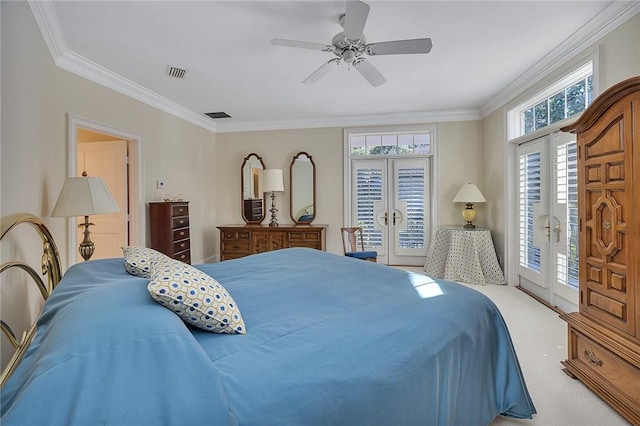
350 238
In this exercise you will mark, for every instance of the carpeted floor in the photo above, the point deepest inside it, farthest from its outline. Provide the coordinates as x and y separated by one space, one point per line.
540 340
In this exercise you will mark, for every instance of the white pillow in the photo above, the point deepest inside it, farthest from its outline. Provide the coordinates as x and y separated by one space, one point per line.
139 260
195 297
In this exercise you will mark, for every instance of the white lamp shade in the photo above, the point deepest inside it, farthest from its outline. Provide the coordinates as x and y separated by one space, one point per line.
469 193
84 196
272 180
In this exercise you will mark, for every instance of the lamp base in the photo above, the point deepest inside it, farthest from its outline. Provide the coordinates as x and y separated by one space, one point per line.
469 214
273 210
87 247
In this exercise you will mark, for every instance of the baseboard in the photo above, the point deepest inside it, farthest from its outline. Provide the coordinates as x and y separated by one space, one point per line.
544 302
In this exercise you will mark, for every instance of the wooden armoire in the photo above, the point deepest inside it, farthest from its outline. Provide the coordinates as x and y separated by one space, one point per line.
604 335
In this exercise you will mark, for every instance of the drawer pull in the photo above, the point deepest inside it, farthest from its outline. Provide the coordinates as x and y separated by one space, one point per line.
592 358
182 233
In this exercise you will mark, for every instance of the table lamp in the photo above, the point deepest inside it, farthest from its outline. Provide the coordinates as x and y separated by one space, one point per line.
84 196
272 182
469 194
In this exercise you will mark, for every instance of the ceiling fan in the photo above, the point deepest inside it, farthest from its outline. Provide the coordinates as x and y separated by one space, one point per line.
350 46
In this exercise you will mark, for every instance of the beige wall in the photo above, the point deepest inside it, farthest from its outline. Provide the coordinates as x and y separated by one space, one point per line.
459 148
619 59
37 97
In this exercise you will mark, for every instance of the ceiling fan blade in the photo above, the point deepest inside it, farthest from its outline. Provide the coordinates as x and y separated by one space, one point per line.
302 44
369 72
355 18
418 45
320 72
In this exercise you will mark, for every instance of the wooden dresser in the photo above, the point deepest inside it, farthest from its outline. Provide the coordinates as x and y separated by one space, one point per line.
170 229
604 336
243 240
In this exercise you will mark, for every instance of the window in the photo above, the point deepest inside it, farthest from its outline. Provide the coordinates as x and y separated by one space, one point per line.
390 144
565 98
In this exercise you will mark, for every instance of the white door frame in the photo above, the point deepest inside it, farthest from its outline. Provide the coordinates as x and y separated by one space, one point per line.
561 298
135 143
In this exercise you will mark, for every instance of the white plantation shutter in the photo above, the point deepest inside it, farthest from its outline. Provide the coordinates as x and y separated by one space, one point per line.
411 192
368 180
530 189
566 176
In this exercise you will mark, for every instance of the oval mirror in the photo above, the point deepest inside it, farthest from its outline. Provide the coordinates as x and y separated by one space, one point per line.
302 176
251 184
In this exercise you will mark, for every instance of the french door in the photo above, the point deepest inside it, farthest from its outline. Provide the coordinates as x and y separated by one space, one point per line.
390 200
548 219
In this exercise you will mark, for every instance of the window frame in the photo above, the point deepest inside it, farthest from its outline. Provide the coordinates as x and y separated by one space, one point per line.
432 129
578 70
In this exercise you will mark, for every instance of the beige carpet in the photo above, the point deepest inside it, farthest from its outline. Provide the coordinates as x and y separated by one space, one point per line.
540 340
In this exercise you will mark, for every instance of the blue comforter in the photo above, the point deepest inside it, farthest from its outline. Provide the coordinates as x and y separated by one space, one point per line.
330 341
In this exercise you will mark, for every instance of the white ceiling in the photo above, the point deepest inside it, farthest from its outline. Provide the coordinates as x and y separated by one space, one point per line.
481 50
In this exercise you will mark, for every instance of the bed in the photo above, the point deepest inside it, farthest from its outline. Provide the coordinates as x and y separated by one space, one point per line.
329 340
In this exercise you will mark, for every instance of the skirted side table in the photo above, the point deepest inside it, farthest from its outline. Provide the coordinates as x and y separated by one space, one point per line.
463 254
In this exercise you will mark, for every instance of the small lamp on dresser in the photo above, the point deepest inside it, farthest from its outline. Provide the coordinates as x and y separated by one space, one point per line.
469 194
272 182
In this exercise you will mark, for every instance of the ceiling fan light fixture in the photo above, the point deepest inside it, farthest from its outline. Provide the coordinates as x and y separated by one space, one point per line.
348 56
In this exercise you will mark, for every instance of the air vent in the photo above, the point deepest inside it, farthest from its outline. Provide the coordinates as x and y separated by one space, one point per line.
175 72
217 114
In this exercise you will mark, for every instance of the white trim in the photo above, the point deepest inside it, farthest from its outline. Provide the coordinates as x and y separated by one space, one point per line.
46 18
393 119
49 25
136 170
614 15
434 178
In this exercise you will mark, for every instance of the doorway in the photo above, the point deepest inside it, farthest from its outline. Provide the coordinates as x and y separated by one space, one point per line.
548 219
390 200
114 155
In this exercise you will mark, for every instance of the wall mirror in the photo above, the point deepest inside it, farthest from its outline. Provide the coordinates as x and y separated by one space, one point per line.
302 178
251 183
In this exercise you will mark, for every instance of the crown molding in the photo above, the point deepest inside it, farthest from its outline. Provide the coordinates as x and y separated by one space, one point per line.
354 120
46 18
49 25
614 15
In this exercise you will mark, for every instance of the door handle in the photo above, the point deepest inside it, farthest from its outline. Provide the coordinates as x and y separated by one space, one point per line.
386 218
394 218
547 229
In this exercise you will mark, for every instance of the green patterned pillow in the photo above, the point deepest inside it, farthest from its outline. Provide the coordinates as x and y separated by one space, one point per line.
139 260
195 297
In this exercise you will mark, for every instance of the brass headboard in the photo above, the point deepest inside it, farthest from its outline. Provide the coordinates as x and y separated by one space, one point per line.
50 267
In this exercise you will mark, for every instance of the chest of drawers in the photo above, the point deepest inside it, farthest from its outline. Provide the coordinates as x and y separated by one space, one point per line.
242 240
170 229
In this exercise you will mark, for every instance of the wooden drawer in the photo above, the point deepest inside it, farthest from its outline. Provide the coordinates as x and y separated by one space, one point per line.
236 247
180 222
179 210
181 246
236 235
229 256
308 236
184 256
606 364
180 234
